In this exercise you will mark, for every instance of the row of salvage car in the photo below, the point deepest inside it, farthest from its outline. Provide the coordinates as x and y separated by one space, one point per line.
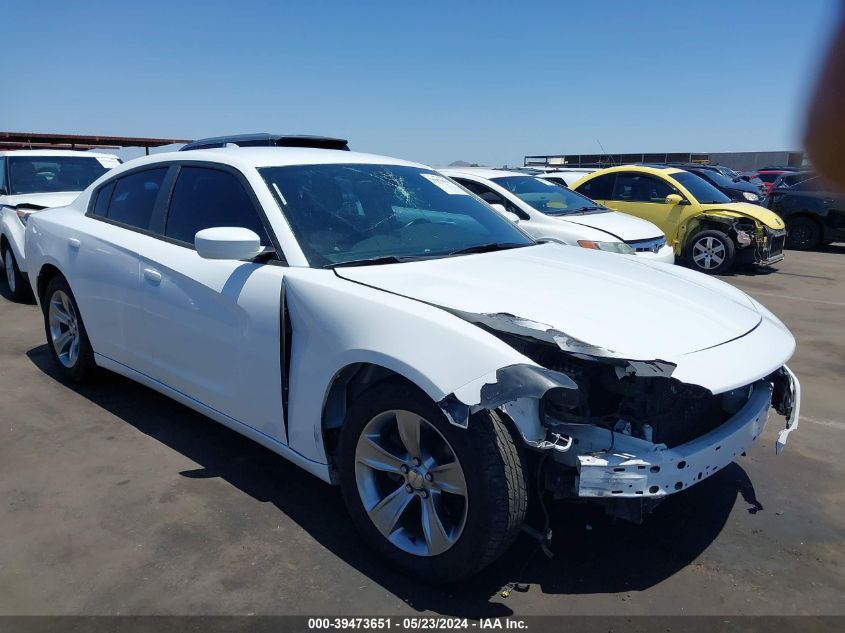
379 324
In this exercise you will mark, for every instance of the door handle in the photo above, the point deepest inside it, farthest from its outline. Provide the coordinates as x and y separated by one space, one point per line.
153 276
74 243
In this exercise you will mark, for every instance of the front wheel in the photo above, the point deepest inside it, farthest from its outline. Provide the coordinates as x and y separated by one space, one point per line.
66 336
438 501
711 252
15 279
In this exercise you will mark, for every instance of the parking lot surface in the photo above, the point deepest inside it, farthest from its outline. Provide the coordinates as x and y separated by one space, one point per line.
117 500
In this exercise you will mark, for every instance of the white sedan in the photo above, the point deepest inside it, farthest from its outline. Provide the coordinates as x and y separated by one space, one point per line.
374 323
31 180
547 211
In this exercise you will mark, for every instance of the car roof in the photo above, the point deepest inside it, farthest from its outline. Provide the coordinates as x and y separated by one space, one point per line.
54 152
483 172
245 157
657 170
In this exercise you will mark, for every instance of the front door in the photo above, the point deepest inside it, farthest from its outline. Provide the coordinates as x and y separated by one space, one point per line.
214 325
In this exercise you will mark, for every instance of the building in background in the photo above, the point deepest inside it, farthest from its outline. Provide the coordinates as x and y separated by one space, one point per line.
740 161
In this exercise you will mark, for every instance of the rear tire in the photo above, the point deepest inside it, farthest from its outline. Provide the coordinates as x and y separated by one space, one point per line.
482 463
803 234
16 281
710 252
67 339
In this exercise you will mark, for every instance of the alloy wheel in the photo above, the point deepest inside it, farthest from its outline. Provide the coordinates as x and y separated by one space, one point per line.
9 265
708 252
64 328
411 483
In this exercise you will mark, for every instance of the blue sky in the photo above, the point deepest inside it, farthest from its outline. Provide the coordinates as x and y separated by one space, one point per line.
429 81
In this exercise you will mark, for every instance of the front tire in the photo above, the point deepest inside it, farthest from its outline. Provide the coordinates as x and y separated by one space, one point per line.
66 336
15 280
435 500
803 234
711 252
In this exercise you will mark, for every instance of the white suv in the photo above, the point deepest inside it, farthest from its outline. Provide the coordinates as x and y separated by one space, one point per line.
31 180
548 211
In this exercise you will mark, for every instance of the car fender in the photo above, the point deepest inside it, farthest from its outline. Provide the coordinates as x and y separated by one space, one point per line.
13 232
337 323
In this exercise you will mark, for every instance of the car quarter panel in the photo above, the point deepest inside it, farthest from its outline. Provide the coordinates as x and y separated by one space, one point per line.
100 262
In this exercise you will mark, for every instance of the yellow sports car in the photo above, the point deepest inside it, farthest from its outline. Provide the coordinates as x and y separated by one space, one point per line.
701 223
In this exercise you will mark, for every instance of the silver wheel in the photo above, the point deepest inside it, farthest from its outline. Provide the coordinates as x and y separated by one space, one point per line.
9 265
64 328
411 483
708 252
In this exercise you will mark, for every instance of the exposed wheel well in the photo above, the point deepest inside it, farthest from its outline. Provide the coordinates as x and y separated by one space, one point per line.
47 272
804 214
349 383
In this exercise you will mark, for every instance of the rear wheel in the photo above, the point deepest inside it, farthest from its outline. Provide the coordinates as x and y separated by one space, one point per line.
15 280
803 234
66 336
438 501
711 252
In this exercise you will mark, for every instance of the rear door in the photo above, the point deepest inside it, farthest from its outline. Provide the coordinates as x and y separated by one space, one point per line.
213 326
103 260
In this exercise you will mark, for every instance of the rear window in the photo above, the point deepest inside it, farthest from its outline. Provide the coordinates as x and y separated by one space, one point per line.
46 174
134 197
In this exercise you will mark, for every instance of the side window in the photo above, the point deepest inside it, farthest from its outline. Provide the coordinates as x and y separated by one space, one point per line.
3 174
204 198
599 188
485 193
101 203
134 197
635 187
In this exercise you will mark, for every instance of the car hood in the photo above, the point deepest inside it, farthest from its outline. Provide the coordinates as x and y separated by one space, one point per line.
619 225
53 199
755 211
630 308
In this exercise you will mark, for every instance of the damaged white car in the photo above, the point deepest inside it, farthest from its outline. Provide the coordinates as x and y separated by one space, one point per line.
372 322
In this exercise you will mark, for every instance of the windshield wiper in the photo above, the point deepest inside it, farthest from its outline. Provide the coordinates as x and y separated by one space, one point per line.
491 246
373 261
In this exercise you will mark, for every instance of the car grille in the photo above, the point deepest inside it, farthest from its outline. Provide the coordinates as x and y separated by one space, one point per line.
647 246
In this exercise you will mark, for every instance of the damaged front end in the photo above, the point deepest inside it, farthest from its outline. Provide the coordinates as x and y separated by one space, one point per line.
754 242
617 430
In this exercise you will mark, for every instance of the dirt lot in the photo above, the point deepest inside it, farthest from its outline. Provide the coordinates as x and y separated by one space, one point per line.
116 500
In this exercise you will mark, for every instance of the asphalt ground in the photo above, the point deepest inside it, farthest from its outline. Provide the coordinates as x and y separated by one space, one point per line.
117 500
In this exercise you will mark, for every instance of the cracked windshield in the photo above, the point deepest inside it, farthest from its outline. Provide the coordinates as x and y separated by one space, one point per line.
371 214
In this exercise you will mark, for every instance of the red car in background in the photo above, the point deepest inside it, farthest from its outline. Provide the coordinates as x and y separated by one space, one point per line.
769 174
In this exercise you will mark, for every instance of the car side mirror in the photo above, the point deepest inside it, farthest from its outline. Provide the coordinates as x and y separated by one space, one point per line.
674 198
227 242
513 217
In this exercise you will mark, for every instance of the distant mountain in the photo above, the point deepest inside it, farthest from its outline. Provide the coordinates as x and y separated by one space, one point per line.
459 163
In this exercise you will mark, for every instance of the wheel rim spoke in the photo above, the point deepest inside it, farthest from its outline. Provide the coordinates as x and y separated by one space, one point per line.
62 341
370 453
411 483
386 513
436 537
449 478
409 425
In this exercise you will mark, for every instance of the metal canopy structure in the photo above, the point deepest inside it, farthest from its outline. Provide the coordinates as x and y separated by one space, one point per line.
32 140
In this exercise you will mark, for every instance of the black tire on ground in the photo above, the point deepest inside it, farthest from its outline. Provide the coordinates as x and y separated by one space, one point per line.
82 366
16 281
494 471
709 247
803 234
